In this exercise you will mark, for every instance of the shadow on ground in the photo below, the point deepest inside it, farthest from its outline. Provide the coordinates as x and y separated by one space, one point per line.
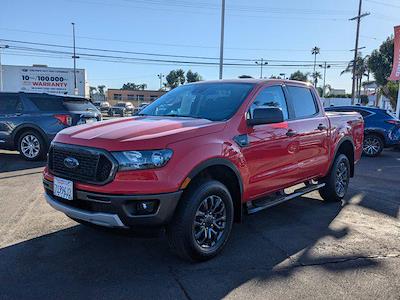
11 161
81 262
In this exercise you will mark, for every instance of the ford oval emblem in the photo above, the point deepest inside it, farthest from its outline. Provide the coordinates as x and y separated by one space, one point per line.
71 163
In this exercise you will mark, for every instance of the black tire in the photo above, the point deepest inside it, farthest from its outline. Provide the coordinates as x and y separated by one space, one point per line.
190 220
373 145
39 146
331 191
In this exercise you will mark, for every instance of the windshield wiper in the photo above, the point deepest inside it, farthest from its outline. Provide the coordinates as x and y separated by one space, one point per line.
185 116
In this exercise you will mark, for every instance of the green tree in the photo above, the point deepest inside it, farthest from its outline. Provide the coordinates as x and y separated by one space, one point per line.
92 90
175 78
380 63
361 70
316 75
101 88
192 76
300 76
134 87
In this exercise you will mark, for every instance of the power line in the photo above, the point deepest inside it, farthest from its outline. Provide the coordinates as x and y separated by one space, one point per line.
154 54
170 45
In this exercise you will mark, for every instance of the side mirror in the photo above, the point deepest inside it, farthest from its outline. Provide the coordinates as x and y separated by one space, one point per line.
266 115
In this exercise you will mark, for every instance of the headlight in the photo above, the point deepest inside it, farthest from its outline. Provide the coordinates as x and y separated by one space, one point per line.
139 160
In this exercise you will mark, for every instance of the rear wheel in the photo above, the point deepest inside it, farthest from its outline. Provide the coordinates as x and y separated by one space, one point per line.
337 181
202 223
373 145
31 146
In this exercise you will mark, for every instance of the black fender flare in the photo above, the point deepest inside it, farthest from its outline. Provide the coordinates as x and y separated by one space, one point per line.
217 162
342 140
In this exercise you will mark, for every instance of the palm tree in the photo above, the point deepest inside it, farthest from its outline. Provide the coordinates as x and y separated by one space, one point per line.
362 69
316 75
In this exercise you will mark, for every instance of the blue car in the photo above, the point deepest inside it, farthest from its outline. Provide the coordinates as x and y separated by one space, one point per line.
381 128
29 121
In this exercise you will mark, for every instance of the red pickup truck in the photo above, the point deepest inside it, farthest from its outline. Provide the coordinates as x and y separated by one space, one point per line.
199 157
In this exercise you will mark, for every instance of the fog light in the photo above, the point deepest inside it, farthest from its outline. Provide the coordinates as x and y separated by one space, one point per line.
146 207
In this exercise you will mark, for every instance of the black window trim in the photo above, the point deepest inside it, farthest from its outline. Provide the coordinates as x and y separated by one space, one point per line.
262 88
317 107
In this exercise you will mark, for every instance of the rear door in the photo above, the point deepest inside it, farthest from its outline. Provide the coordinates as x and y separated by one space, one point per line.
270 152
11 115
311 128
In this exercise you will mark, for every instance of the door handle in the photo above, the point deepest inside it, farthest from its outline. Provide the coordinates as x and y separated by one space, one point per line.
291 132
321 127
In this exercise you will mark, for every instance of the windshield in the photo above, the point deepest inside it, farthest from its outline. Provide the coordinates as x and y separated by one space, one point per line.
213 101
120 105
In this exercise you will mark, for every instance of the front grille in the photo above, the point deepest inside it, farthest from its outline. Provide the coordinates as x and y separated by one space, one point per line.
94 166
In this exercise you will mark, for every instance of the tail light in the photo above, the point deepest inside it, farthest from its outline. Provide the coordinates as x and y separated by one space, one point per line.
64 119
393 122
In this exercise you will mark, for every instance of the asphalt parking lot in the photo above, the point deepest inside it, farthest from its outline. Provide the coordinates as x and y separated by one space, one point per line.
301 249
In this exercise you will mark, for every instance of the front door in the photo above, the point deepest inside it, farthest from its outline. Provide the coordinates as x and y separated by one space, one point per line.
270 153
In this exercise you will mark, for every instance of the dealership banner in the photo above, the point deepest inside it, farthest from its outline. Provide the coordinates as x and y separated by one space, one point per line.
43 79
395 75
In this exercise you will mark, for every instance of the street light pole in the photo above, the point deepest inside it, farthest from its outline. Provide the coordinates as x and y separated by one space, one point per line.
74 57
325 66
221 47
160 76
261 63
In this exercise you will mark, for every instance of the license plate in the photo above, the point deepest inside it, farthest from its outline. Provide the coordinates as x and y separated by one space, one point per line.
63 188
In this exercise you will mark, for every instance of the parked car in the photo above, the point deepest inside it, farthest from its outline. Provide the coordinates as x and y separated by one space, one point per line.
102 106
122 109
198 158
140 107
381 130
29 121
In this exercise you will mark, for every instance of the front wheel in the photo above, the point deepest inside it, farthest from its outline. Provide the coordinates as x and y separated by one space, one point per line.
202 223
337 181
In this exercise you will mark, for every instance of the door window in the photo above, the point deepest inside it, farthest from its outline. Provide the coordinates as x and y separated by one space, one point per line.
272 96
303 101
10 104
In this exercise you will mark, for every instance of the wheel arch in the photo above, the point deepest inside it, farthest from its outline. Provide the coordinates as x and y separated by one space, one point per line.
379 133
345 146
28 127
226 172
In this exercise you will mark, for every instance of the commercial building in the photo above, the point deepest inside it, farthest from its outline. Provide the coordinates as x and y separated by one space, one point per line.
43 79
135 96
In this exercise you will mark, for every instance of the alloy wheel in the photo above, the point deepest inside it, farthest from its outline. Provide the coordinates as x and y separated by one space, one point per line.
209 222
30 146
371 145
342 179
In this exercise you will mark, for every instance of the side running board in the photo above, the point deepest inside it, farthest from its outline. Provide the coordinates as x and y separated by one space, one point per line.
272 200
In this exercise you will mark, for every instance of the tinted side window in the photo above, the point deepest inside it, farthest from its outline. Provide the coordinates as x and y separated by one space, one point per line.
303 101
271 97
364 113
47 103
10 104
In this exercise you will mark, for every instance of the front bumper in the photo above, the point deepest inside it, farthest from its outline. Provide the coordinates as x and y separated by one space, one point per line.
116 211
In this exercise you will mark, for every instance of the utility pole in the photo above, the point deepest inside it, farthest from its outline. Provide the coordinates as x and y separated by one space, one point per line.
315 51
221 47
358 18
1 68
160 76
261 63
74 58
325 66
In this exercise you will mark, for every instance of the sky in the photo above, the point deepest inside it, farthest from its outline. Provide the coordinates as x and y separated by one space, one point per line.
281 32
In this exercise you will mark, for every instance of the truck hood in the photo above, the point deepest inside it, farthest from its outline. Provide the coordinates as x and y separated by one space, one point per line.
137 133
